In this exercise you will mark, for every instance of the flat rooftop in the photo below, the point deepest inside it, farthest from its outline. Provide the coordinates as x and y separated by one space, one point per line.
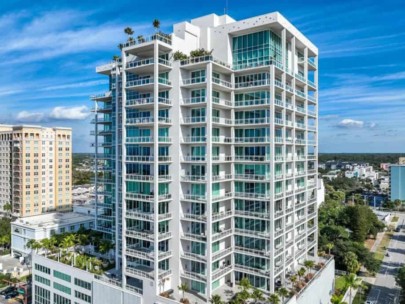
54 219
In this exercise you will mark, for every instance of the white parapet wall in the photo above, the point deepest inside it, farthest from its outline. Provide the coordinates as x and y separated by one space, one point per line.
320 288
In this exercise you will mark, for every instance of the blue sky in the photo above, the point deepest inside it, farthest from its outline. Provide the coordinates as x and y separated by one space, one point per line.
50 49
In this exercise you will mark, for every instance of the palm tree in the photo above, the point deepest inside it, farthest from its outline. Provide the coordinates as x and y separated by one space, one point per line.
120 46
48 245
216 299
352 282
33 245
274 299
68 241
283 293
128 31
183 288
140 39
337 299
329 246
257 295
293 279
244 295
309 264
156 24
301 273
105 246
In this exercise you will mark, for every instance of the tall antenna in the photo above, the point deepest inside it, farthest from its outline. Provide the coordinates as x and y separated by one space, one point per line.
226 7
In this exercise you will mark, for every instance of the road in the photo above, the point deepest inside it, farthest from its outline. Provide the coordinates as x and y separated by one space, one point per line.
384 289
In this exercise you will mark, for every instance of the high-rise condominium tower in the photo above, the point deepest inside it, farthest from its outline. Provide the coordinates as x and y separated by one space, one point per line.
35 169
210 160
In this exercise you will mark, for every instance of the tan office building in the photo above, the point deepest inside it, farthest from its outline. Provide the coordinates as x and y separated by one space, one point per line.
35 169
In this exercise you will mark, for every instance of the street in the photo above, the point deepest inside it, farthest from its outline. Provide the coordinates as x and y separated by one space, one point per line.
385 290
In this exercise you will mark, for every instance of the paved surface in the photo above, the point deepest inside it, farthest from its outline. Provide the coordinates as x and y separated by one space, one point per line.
385 290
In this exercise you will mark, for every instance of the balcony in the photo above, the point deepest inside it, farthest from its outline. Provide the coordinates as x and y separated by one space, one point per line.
102 120
147 197
221 215
147 84
202 277
248 140
221 234
265 214
194 120
253 158
219 102
194 100
194 237
194 217
221 139
203 59
149 159
223 84
148 102
194 139
254 177
222 121
252 195
147 65
222 253
193 178
252 103
194 256
167 39
220 272
141 234
148 121
250 121
254 251
252 84
148 178
262 234
194 82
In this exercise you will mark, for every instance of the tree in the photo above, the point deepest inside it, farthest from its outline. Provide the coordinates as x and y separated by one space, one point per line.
283 293
245 284
309 264
257 295
400 280
33 245
183 288
178 55
216 299
329 246
301 272
48 245
397 203
293 279
352 282
351 262
68 241
128 31
156 24
337 299
105 246
8 208
120 46
274 299
140 39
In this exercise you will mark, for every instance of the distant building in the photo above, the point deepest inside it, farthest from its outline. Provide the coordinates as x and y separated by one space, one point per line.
401 161
44 226
362 172
385 166
384 183
35 169
397 182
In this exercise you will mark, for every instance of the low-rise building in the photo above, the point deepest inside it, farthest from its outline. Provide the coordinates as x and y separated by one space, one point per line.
44 226
385 166
363 171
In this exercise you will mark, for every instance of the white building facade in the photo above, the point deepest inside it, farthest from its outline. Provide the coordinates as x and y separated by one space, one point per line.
210 162
43 226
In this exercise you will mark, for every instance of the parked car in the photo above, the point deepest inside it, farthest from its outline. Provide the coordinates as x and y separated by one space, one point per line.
11 294
7 290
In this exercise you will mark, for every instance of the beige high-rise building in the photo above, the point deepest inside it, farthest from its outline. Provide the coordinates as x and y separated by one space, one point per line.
35 169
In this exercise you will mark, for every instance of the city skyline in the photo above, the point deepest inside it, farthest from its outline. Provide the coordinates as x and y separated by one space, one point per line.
357 70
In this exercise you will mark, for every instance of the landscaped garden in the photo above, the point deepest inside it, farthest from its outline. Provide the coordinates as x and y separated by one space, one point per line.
70 249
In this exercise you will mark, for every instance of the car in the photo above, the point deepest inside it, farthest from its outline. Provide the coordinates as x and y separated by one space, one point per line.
370 302
7 290
11 294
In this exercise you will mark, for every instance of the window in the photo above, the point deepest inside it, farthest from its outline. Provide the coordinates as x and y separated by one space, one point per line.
57 299
42 269
42 296
62 276
83 284
82 296
62 288
42 280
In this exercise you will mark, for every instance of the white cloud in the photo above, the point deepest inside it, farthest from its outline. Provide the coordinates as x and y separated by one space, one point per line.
57 113
25 116
350 123
65 113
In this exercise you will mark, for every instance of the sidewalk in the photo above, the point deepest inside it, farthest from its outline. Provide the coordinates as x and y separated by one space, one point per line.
377 241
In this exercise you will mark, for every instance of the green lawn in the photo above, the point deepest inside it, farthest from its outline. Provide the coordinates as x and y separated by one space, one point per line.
340 284
395 219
